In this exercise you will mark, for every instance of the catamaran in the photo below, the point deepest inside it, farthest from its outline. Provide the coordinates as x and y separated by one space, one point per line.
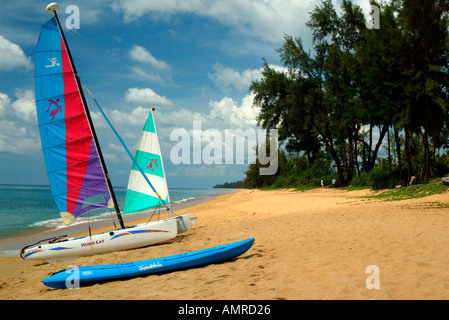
76 169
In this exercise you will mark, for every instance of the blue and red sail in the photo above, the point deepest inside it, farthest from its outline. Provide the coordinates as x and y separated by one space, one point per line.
74 169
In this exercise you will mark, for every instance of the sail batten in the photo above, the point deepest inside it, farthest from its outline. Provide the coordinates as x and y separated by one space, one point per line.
71 157
73 165
60 95
92 185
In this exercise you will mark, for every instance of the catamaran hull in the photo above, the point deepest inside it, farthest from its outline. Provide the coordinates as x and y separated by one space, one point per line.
116 240
93 274
183 223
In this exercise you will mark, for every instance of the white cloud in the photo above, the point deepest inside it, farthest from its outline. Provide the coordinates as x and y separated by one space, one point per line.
5 102
147 76
136 117
222 130
12 56
222 115
16 138
24 107
140 54
224 77
147 97
227 111
267 19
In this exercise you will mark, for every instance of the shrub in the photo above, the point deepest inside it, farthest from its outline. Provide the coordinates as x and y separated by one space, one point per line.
383 179
362 181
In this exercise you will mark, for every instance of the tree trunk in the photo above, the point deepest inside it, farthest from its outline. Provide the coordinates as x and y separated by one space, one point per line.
407 152
426 150
388 146
350 169
330 146
372 161
398 150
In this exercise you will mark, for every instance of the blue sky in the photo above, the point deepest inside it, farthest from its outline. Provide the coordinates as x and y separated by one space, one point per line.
191 59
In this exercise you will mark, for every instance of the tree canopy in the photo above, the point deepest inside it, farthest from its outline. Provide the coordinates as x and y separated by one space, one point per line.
360 92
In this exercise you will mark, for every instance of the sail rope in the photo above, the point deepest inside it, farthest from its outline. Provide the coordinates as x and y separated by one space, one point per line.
126 148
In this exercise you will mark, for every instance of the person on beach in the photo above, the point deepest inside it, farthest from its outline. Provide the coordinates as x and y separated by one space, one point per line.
322 183
333 183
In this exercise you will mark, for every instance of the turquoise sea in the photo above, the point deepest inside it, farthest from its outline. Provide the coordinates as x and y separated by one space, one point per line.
30 209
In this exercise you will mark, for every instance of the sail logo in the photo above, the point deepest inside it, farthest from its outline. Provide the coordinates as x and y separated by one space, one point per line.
153 164
151 266
54 62
53 108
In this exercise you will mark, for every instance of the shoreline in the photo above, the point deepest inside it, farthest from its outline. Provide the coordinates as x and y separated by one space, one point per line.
10 247
309 245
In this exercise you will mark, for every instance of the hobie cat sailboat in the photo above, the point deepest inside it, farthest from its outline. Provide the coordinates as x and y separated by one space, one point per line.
77 173
140 194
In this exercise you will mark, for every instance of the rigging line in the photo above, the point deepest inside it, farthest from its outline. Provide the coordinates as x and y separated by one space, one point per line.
156 208
150 216
126 148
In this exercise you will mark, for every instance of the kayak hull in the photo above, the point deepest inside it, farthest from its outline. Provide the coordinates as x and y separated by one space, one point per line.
89 275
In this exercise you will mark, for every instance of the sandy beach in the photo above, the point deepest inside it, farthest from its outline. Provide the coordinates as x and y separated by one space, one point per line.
315 244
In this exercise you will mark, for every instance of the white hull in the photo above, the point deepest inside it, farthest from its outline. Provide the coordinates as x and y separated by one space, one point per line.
183 223
115 240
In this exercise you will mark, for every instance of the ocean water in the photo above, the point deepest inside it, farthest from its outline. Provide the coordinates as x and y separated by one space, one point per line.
30 209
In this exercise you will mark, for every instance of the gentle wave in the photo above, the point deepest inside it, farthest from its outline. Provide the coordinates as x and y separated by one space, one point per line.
184 200
58 224
37 210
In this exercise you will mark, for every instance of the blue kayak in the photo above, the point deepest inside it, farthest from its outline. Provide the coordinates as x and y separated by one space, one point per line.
88 275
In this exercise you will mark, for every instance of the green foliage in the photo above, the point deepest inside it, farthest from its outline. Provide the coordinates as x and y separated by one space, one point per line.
231 185
364 180
383 179
296 173
411 192
337 102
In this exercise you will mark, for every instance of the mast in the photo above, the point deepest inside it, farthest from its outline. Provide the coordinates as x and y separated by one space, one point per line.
52 7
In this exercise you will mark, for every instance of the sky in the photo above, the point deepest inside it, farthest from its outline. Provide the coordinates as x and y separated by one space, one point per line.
192 60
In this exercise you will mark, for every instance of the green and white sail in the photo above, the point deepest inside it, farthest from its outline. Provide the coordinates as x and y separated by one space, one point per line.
140 196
